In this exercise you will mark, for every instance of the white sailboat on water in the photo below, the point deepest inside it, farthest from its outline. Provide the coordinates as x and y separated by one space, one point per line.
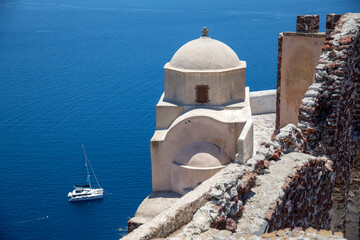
86 192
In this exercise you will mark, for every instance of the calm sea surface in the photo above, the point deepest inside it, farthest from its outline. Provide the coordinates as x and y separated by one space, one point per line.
90 72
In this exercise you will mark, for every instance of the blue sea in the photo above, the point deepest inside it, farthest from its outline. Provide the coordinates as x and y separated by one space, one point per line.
90 72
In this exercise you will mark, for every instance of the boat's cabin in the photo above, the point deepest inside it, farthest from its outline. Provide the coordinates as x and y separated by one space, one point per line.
81 188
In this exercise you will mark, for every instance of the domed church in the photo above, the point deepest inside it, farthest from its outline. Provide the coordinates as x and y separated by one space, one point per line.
203 118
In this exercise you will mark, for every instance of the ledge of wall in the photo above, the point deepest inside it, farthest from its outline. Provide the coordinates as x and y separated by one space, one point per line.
263 102
245 143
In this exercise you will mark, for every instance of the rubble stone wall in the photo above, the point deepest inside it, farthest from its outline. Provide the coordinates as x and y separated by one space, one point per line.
307 23
330 111
247 201
352 221
286 234
307 198
188 207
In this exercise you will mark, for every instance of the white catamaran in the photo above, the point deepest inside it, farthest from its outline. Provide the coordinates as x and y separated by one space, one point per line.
86 192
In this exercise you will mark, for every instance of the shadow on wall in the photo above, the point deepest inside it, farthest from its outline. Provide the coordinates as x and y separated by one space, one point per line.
195 163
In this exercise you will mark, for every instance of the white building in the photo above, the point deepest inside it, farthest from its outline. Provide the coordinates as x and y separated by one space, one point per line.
203 118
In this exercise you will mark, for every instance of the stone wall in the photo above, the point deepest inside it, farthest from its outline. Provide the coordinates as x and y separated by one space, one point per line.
330 111
307 23
173 218
286 234
352 221
220 201
331 20
307 198
277 188
185 209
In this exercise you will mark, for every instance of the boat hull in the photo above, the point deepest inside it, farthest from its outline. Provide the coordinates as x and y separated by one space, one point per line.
85 198
85 194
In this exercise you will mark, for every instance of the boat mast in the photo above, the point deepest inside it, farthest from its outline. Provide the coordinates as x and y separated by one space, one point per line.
94 173
87 169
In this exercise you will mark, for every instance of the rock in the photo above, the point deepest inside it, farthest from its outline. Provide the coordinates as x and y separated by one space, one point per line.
227 196
269 235
260 163
326 47
324 233
229 206
231 225
234 209
265 151
346 40
338 72
330 65
191 229
216 193
233 192
276 155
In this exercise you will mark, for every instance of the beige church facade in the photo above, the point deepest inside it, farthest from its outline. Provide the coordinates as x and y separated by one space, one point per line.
203 118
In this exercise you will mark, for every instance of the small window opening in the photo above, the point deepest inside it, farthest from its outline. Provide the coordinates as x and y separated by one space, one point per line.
202 94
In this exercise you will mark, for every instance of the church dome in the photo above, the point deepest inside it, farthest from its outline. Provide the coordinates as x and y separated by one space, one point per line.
204 54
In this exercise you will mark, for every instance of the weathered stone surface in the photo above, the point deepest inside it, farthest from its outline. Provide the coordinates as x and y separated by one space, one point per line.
346 40
308 190
229 198
179 213
331 20
231 225
307 23
262 205
263 127
151 206
294 234
335 112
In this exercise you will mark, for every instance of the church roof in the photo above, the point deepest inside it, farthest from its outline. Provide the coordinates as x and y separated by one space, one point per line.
204 54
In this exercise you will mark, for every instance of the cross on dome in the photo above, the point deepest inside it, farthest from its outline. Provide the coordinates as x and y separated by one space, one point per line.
205 32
